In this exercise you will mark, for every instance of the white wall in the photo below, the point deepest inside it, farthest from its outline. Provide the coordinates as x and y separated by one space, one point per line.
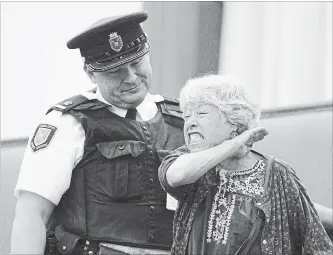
282 50
37 68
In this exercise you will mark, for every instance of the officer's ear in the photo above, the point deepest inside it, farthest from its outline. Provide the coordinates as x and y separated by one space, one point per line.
90 74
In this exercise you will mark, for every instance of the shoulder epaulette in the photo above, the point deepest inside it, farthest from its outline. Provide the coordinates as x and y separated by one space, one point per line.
171 100
171 111
171 106
68 104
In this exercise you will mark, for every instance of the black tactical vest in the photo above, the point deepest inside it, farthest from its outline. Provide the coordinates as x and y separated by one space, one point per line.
115 195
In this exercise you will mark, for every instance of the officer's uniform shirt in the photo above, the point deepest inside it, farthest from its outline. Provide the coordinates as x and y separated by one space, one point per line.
47 172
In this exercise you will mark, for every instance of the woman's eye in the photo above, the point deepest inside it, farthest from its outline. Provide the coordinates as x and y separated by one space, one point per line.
202 113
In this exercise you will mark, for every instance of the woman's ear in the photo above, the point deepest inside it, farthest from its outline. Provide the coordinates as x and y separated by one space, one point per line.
233 134
237 130
241 129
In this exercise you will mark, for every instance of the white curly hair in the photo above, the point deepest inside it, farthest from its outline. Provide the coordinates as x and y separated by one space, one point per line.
227 93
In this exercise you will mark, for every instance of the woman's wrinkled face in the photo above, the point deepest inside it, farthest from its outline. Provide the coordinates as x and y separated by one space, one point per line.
127 85
205 127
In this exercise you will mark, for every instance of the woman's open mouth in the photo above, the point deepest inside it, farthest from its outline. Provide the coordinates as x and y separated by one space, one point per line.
195 138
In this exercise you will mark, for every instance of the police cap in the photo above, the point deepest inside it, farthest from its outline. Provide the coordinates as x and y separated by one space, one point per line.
112 41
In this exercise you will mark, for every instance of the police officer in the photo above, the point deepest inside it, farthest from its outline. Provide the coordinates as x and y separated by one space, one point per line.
88 182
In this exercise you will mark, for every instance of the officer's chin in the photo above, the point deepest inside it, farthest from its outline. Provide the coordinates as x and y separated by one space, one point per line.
136 99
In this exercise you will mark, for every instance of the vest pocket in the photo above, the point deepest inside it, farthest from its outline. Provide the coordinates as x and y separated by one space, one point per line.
115 177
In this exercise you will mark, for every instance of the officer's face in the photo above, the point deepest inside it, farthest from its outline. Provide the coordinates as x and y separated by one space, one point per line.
127 85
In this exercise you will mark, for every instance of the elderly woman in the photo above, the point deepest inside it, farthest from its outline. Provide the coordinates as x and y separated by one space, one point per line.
231 199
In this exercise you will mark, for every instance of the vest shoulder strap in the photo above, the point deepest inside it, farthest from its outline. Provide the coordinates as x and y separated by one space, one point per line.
78 102
69 103
171 111
170 106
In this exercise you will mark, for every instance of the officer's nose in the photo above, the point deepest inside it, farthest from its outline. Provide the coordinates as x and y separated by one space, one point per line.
129 75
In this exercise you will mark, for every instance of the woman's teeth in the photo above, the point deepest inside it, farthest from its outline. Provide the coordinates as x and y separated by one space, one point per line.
195 137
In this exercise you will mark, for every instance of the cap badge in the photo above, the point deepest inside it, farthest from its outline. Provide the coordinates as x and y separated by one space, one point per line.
116 42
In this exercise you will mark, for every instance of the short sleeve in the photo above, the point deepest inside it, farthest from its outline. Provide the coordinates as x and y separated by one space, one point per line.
179 192
52 152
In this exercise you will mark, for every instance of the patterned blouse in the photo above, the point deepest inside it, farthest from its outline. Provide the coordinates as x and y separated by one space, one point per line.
227 215
291 224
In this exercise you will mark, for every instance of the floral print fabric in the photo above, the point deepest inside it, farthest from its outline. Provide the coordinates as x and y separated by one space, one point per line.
291 225
227 215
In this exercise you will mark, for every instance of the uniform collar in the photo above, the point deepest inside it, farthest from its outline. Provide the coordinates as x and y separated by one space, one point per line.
146 110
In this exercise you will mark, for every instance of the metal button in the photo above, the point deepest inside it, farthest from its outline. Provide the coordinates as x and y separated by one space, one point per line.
151 153
152 208
121 147
145 128
85 248
87 242
68 103
258 203
90 253
264 242
64 247
151 180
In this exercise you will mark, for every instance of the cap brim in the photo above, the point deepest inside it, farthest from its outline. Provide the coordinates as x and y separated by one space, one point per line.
123 59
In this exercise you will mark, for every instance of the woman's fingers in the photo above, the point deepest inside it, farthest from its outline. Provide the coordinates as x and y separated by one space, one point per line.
259 134
249 137
256 134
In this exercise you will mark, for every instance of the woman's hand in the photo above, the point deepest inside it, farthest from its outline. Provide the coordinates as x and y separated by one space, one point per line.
245 140
249 137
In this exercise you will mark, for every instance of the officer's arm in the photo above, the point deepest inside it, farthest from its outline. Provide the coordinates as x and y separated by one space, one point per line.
31 215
